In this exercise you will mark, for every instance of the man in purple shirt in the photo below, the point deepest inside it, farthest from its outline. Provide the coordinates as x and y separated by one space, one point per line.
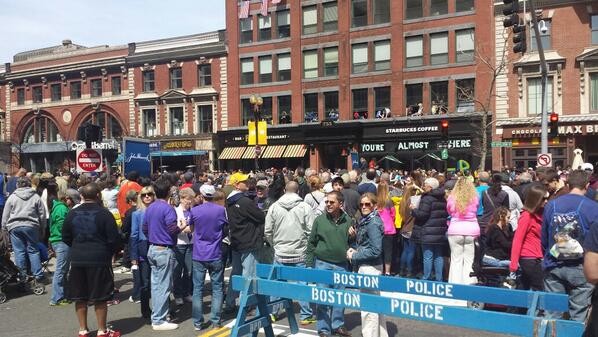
161 229
209 223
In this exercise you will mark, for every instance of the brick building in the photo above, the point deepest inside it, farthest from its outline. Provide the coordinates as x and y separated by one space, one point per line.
159 89
381 73
571 49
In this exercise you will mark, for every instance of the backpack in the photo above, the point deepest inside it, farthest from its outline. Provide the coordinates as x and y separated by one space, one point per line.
568 234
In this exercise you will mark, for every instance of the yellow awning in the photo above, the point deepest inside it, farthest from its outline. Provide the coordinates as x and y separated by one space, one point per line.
295 151
231 153
249 153
274 151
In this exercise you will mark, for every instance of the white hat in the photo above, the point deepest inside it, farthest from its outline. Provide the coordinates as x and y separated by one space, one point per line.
327 188
207 191
587 166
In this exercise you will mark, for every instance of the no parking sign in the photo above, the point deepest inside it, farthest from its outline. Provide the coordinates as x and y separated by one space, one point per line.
545 160
89 160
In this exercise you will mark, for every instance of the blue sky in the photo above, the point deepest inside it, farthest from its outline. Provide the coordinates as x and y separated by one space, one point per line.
34 24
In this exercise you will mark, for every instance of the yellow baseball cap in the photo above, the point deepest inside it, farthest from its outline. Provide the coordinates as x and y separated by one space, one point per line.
237 178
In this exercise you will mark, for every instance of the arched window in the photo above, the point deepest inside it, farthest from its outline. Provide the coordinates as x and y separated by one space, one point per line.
41 129
111 128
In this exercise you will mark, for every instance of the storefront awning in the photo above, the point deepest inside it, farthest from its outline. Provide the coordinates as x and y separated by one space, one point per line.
249 153
295 151
274 151
177 153
231 153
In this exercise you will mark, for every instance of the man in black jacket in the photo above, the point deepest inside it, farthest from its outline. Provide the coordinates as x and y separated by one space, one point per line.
246 223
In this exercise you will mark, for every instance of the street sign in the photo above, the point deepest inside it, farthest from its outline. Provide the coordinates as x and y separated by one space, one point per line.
444 154
545 160
89 160
442 144
501 144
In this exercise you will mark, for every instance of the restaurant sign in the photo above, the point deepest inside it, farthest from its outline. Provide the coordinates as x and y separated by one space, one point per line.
177 145
562 130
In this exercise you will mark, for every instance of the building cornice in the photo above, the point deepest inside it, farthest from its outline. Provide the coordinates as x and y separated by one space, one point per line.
527 121
70 54
216 49
67 68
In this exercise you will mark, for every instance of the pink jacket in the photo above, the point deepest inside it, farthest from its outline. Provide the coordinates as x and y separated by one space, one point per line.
463 224
388 218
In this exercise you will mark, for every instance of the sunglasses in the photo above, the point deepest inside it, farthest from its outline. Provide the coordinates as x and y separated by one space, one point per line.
143 195
329 202
365 204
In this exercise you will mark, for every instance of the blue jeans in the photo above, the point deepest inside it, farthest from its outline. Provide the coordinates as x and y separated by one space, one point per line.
494 262
216 270
243 264
24 240
183 285
327 321
407 255
433 258
161 261
306 311
570 280
62 267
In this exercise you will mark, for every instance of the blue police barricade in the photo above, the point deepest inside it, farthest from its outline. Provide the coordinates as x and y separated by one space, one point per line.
272 281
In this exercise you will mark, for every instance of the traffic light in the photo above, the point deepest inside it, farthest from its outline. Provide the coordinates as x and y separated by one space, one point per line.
444 129
89 133
510 10
554 124
519 38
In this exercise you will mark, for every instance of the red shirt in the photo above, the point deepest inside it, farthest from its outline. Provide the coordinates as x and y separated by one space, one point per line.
185 185
121 197
526 242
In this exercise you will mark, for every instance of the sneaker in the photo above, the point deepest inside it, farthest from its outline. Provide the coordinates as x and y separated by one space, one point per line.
203 326
273 318
84 333
341 331
323 334
309 320
60 303
109 333
178 301
188 299
165 326
113 302
133 300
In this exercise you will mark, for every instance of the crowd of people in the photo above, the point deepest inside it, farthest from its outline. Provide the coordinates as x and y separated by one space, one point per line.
171 229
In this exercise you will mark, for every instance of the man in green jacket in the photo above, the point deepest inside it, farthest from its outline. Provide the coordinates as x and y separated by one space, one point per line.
57 216
326 249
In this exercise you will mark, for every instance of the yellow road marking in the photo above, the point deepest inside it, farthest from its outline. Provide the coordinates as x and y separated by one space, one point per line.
224 333
215 332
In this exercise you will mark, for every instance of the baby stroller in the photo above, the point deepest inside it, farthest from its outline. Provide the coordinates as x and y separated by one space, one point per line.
488 276
10 275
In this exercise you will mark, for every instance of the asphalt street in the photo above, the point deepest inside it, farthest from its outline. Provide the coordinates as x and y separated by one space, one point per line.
28 315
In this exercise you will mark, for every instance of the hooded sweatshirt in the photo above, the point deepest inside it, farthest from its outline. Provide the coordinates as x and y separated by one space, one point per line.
23 208
288 225
57 216
246 223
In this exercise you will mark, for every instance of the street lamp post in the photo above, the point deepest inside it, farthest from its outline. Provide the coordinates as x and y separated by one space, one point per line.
256 101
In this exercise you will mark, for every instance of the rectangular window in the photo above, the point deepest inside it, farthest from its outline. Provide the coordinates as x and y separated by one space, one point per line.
116 85
359 13
266 110
283 23
360 58
534 96
439 48
331 61
544 36
284 67
330 16
176 78
382 55
246 30
594 92
177 121
414 51
464 5
438 7
284 110
148 81
247 71
55 92
414 9
310 64
205 118
37 94
465 45
381 11
96 88
149 122
20 96
465 90
413 98
265 28
310 20
439 97
382 98
310 107
594 29
204 74
76 90
331 105
360 103
246 110
265 63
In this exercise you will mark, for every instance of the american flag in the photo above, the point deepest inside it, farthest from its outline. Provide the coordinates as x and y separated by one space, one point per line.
275 2
244 10
264 9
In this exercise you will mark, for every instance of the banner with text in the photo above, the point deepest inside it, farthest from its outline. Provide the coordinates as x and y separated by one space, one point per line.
137 156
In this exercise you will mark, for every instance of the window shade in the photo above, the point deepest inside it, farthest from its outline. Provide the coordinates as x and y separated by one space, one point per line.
264 22
310 60
331 55
266 65
310 16
360 53
414 46
284 18
382 50
330 13
246 24
439 43
465 40
246 66
284 62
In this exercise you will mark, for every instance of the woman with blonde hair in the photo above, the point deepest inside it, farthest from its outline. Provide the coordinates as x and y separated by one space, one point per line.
386 211
315 196
462 206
